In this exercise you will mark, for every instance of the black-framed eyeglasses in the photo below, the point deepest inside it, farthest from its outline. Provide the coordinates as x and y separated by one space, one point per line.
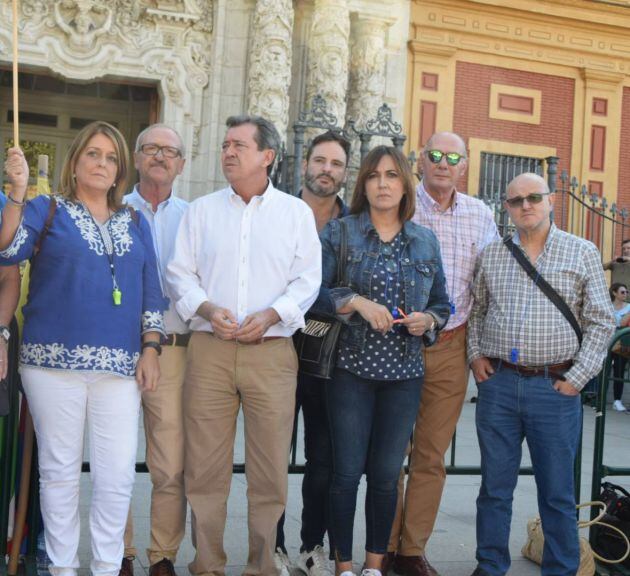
535 198
452 158
154 150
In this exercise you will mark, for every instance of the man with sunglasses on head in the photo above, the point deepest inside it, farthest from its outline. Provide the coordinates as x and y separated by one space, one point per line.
530 361
159 158
464 226
621 266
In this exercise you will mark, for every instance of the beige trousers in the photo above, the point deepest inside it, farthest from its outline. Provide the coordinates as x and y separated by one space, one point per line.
443 392
221 377
164 431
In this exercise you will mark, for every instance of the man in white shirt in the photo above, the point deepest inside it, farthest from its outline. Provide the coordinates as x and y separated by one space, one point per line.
159 159
247 266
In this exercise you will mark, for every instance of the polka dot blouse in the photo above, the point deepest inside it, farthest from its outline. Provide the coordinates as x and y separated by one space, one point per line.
383 357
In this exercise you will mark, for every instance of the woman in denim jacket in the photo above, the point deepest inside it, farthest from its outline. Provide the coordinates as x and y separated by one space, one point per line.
393 300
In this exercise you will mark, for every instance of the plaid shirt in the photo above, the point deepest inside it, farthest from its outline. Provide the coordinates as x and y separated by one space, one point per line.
463 230
510 311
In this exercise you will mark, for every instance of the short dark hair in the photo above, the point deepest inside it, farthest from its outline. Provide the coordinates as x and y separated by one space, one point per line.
266 136
614 287
330 136
407 206
625 241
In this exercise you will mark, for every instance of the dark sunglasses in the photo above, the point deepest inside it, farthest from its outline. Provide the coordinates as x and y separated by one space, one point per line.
535 198
452 158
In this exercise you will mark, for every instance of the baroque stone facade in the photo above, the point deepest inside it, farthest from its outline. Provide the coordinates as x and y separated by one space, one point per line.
209 59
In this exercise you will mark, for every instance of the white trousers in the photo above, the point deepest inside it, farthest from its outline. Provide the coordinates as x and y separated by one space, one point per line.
60 402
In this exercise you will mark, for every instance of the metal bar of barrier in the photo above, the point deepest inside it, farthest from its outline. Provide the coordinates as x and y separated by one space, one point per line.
600 470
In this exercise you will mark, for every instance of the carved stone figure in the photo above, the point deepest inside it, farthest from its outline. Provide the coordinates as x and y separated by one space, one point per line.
83 21
269 73
328 54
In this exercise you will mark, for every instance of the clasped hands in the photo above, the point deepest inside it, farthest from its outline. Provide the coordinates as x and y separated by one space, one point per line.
226 326
380 318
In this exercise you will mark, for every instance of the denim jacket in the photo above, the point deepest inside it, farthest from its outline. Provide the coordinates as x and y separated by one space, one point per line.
421 265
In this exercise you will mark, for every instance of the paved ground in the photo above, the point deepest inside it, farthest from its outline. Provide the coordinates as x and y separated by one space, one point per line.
452 547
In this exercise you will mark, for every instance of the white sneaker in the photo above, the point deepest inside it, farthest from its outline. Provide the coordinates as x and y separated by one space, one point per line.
314 563
618 406
347 573
371 572
282 562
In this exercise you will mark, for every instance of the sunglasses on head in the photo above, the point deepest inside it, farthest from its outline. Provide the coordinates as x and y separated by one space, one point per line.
535 198
452 158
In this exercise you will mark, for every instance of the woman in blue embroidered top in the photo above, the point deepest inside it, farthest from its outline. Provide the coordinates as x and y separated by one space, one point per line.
92 327
392 298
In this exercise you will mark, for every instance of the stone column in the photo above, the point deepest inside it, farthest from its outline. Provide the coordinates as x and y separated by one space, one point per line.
269 74
328 53
367 70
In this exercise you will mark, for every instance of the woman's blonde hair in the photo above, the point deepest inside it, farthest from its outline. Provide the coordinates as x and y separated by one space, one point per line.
407 206
68 185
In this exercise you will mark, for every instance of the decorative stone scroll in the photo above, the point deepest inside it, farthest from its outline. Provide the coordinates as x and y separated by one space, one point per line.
269 73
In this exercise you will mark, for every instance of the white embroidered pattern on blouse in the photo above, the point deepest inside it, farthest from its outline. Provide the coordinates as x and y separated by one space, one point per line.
152 321
83 357
119 227
20 237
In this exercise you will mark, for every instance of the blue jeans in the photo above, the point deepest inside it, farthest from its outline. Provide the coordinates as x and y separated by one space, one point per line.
311 399
370 425
511 407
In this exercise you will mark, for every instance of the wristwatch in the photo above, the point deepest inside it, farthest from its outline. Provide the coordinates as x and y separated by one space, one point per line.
155 345
5 333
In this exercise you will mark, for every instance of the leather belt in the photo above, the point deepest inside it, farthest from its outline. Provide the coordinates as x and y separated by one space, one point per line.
177 340
446 335
255 342
261 340
555 370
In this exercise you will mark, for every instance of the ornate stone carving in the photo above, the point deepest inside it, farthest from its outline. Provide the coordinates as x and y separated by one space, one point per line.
367 70
328 52
87 33
269 73
83 21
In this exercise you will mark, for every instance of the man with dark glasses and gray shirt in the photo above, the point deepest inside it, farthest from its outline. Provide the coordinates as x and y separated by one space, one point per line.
538 332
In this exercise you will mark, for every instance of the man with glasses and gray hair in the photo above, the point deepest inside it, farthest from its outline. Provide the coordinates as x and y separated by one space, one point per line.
463 226
246 268
159 158
531 352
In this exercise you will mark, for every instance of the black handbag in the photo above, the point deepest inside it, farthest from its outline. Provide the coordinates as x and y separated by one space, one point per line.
316 343
608 542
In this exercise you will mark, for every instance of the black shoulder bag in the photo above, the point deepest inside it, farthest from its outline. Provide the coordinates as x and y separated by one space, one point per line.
544 286
316 343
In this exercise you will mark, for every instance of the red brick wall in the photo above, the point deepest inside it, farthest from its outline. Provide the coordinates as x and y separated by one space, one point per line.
623 189
472 99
